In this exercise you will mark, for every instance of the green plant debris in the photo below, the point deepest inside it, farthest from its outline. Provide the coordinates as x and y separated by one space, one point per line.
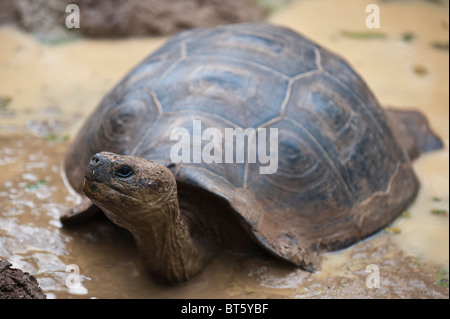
442 273
443 282
420 70
436 199
54 138
440 45
363 34
61 39
35 185
441 212
406 214
272 6
53 42
439 2
34 259
392 230
408 36
249 292
442 278
4 102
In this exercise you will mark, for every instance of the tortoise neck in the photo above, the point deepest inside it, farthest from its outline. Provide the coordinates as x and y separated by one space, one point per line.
166 244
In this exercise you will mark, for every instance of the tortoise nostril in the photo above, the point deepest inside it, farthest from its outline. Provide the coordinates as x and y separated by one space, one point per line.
95 159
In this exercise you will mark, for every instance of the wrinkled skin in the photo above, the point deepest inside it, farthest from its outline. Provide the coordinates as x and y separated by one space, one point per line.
141 196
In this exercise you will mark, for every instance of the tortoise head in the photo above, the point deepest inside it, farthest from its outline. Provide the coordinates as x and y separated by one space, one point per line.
128 188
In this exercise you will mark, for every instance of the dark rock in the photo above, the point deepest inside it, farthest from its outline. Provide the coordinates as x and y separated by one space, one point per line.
16 284
120 18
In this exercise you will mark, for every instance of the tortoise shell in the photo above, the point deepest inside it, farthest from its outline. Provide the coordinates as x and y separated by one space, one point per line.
341 173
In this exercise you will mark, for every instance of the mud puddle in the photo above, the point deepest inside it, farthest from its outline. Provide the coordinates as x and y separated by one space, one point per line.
33 196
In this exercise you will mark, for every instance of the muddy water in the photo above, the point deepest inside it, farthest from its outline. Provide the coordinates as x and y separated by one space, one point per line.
53 88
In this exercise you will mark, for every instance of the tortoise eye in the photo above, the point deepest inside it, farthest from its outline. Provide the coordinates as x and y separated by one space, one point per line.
124 171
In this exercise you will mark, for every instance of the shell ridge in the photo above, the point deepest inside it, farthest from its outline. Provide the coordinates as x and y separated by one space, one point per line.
182 57
384 134
338 174
148 130
244 61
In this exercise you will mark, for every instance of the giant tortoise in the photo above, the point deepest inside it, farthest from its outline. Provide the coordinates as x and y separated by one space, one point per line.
343 168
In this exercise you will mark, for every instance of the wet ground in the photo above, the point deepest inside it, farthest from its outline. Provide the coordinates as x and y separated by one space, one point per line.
47 90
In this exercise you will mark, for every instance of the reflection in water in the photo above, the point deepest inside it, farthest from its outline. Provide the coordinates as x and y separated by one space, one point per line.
413 263
30 229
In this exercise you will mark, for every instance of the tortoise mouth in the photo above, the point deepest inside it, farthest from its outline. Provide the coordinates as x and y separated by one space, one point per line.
93 189
106 193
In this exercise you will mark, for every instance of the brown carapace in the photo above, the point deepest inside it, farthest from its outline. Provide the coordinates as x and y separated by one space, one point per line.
344 163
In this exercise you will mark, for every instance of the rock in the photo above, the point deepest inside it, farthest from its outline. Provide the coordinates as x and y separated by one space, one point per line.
16 284
120 18
142 17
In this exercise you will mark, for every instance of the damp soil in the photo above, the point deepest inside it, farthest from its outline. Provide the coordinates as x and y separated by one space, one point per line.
46 91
